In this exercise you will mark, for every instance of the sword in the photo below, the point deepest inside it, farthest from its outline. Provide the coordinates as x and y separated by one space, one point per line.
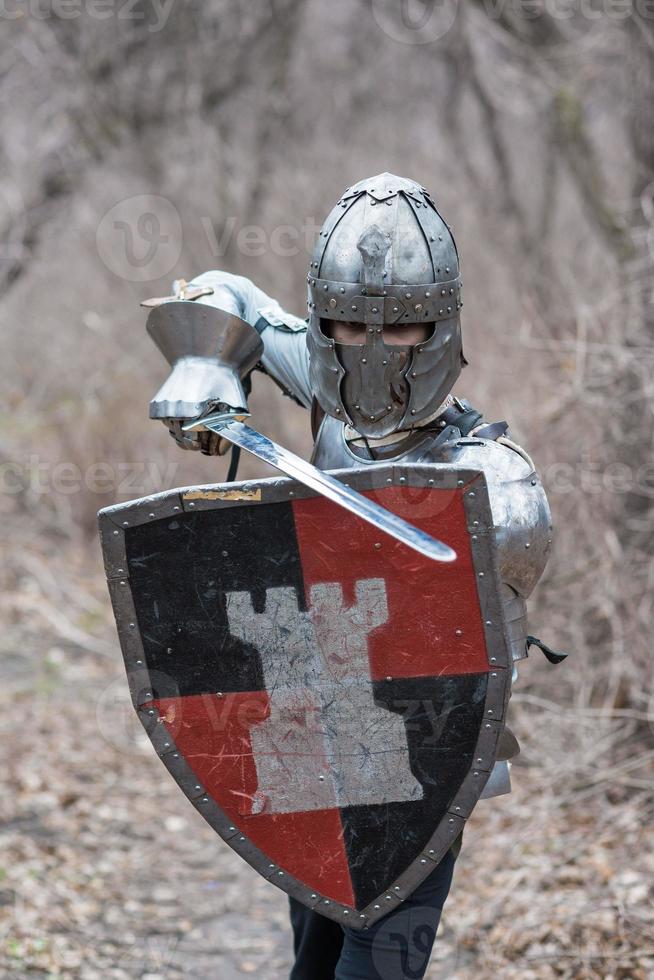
230 425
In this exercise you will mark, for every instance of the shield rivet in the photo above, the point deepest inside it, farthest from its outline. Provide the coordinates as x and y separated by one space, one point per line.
377 907
150 515
378 544
232 828
459 483
321 778
423 860
139 663
451 820
397 888
430 482
327 902
402 479
123 583
198 787
479 760
472 493
389 678
374 310
219 694
389 898
493 660
490 711
489 622
280 874
494 674
314 896
125 523
481 575
346 912
115 533
458 632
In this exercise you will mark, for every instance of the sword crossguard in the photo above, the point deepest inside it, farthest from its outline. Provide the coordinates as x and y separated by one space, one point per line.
214 421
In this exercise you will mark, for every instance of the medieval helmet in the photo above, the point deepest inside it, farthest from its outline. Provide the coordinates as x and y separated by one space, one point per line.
384 256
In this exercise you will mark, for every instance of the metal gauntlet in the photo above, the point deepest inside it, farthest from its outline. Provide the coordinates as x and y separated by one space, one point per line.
210 352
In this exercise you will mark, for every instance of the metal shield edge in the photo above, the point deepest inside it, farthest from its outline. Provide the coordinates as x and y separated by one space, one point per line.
115 519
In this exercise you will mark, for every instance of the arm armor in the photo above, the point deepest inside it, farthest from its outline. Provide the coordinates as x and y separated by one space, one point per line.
210 352
522 524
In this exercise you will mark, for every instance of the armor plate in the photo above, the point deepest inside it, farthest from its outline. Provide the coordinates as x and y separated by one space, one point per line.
329 701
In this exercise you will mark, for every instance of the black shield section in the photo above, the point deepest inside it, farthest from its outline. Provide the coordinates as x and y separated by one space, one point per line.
180 569
442 717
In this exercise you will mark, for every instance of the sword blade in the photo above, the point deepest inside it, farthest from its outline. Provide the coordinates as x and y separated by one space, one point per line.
290 464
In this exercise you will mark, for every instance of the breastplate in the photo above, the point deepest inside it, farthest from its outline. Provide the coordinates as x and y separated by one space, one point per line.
331 451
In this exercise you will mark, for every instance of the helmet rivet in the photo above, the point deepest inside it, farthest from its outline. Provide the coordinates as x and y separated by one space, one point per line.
357 407
440 238
447 268
338 411
371 329
396 309
427 294
313 282
451 292
372 418
408 295
388 408
325 287
413 374
363 360
384 362
342 289
418 308
443 292
332 302
378 329
449 309
413 411
420 350
441 311
354 309
375 310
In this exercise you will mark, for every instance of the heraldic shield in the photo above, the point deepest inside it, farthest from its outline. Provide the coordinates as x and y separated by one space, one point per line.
329 700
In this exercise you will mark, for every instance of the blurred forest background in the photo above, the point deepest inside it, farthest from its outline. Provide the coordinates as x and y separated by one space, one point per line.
143 141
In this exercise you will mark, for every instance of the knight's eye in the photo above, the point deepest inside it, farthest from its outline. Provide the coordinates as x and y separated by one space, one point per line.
344 332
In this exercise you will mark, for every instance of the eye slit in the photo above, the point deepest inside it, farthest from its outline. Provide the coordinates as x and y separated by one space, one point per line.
344 332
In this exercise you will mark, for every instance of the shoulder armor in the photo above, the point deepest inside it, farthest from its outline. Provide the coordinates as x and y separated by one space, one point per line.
521 514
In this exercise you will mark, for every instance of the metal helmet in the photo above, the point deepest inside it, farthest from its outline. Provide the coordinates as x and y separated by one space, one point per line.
384 256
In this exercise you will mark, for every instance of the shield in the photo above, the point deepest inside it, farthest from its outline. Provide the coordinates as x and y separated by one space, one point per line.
329 700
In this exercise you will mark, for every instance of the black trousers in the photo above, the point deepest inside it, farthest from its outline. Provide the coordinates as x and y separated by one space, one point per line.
397 947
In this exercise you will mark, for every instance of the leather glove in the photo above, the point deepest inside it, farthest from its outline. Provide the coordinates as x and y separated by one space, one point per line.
209 443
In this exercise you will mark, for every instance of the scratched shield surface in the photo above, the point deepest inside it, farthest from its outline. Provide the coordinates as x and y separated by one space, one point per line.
328 699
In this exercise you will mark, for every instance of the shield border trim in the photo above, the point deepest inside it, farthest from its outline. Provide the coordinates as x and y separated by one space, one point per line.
113 521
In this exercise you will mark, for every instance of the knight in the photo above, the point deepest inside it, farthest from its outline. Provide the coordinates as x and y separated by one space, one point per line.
375 363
